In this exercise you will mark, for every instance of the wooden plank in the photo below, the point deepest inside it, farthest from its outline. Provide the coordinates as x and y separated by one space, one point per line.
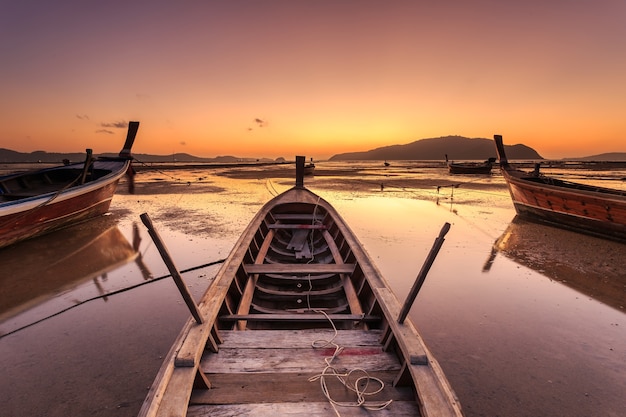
351 296
292 339
297 216
196 335
296 226
249 388
298 239
299 268
433 390
175 399
246 298
295 409
297 360
303 317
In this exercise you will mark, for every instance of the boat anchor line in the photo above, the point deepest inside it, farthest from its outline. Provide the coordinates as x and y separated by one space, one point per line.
104 296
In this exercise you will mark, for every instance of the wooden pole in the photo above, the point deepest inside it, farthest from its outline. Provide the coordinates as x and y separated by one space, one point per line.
88 161
178 279
299 171
421 277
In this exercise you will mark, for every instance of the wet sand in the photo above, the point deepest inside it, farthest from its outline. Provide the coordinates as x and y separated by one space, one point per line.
509 314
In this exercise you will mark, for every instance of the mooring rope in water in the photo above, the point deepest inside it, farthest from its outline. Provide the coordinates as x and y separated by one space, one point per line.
132 287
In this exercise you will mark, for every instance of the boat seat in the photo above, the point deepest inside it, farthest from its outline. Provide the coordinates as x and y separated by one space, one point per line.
301 269
308 317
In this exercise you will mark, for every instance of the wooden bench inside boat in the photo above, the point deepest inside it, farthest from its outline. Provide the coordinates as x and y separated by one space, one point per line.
301 317
299 268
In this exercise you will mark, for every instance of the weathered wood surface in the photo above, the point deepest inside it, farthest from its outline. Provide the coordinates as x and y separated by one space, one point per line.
296 339
301 317
437 397
296 360
268 387
268 371
309 409
299 268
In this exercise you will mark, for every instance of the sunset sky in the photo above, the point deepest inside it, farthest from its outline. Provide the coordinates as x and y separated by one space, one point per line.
315 78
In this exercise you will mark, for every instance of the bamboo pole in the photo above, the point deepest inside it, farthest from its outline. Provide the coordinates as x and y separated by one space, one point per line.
178 279
421 277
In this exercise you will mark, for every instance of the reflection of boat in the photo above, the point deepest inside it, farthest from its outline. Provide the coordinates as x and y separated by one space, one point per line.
479 168
38 269
36 202
595 210
295 270
586 264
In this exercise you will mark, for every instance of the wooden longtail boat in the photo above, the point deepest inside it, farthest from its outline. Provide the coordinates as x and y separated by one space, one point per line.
36 202
595 210
477 168
309 168
297 306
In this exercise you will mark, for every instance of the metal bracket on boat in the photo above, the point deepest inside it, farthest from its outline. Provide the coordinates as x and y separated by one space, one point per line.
421 277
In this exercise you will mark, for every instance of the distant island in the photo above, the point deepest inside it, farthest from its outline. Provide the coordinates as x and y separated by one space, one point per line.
456 147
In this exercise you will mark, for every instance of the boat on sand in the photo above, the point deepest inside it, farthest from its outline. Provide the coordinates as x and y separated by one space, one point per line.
299 321
470 168
36 202
585 208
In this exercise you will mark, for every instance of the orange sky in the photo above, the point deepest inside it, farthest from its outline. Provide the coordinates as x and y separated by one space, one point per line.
324 77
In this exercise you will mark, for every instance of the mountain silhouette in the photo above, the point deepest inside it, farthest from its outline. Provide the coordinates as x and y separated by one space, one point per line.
456 147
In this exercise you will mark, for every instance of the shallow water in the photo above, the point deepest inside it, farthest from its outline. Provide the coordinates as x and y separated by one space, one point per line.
526 320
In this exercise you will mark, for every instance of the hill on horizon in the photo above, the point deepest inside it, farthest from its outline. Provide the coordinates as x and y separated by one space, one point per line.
456 147
9 156
609 156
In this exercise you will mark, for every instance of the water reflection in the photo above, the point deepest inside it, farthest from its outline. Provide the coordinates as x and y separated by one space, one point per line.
584 263
39 269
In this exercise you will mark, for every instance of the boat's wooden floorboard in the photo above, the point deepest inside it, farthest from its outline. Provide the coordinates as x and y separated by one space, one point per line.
296 360
266 372
292 387
309 409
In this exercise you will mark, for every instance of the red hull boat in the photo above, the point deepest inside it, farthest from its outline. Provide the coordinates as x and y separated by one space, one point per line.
36 202
595 210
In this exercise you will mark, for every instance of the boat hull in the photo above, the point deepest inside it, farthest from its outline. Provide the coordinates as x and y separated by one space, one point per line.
36 202
595 210
469 170
573 210
31 217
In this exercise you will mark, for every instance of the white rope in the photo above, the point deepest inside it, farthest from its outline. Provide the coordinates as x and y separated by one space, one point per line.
359 386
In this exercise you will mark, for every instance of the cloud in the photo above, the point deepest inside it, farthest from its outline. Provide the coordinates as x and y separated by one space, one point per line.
82 117
108 132
260 122
182 142
115 125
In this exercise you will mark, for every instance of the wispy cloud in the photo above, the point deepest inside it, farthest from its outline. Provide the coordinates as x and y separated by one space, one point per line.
115 125
82 117
108 132
258 123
